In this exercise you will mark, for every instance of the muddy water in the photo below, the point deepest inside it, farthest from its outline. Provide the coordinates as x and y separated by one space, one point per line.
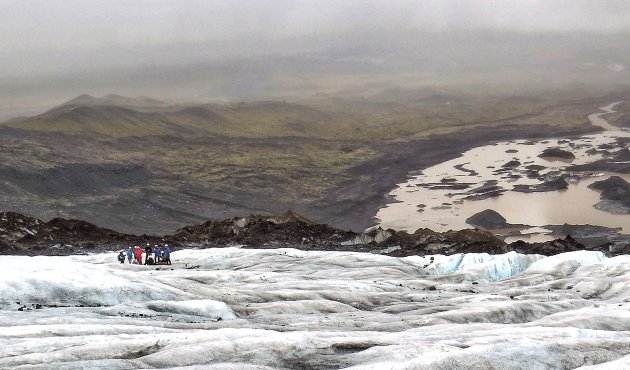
420 202
573 206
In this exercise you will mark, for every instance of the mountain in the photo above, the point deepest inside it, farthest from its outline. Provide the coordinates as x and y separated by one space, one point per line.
115 100
117 116
102 120
83 99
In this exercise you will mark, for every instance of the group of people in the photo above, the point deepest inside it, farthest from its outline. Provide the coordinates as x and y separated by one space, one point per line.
152 255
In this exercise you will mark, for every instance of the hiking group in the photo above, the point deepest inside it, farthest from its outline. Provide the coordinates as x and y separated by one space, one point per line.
156 255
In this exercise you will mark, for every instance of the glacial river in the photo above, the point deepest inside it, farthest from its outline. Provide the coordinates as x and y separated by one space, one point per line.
419 202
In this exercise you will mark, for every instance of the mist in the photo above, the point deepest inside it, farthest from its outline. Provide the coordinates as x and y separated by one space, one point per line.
221 50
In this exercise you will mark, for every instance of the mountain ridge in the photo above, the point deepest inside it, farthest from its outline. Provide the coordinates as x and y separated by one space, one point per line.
114 116
115 100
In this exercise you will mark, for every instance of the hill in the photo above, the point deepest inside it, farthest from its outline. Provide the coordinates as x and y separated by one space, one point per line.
101 120
116 116
139 102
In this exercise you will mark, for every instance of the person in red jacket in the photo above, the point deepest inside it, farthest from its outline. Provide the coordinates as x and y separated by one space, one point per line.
138 254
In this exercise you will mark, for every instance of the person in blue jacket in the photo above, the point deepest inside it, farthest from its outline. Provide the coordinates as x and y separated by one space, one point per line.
129 255
167 254
157 252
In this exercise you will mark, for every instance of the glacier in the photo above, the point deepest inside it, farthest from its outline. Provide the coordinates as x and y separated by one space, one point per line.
238 308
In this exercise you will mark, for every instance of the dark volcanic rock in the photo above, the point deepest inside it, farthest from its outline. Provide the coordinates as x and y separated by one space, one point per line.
25 235
512 164
623 155
623 249
535 167
21 234
549 248
15 226
464 169
619 162
6 248
614 188
533 174
446 186
425 241
488 190
487 195
615 193
606 146
552 185
77 229
589 235
557 153
487 219
260 231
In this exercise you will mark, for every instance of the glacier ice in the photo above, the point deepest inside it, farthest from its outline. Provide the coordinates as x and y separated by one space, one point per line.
237 308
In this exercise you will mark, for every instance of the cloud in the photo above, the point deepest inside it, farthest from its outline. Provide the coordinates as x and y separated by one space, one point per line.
616 67
143 46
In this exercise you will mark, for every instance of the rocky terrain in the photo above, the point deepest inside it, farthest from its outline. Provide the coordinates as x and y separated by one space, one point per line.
619 162
557 153
23 235
591 236
615 194
20 234
490 220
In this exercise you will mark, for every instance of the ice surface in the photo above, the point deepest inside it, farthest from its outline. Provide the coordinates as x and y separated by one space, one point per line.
236 308
478 265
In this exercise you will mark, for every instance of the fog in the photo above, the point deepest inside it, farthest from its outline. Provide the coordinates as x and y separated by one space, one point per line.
214 50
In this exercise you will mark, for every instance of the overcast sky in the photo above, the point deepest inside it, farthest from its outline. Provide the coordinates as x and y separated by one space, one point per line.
52 50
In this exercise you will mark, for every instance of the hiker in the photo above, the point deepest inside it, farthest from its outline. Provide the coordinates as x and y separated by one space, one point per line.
121 257
148 251
167 254
138 255
129 254
157 252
